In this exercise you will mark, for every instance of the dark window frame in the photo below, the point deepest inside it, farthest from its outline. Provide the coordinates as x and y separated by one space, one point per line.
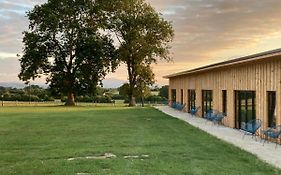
271 107
181 96
191 98
207 101
224 102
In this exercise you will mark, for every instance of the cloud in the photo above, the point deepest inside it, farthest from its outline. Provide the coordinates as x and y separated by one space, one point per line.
9 68
206 31
4 55
13 22
207 28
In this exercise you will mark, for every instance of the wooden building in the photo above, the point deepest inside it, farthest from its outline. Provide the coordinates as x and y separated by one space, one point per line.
244 88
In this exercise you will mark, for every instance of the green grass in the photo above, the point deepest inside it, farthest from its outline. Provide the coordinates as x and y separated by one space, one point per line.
38 140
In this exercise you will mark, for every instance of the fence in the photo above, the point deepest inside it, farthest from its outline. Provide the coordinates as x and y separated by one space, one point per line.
59 103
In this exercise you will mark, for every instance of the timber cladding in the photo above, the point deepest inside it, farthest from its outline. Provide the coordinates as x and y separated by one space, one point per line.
257 76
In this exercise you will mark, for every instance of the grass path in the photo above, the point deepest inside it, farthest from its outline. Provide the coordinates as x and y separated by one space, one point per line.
39 140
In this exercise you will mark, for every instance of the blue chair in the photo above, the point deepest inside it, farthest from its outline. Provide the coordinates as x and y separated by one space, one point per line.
181 107
210 115
251 127
218 118
272 133
215 116
193 111
178 106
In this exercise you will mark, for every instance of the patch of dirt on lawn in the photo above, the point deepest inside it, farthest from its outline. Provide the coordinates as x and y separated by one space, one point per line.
143 156
100 157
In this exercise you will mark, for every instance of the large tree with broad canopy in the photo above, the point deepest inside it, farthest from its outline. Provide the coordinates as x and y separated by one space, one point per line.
143 37
65 43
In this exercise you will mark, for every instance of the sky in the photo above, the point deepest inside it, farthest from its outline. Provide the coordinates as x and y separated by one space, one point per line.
206 32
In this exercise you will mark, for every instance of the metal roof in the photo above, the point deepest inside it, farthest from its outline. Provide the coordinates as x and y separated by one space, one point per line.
248 58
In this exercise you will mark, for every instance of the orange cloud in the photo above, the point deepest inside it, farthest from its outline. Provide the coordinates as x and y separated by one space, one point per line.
206 31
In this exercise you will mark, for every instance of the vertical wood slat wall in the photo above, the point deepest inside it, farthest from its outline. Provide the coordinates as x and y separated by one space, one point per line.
259 76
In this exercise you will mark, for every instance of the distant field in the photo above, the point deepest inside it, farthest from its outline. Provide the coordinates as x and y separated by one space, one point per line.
39 140
154 92
18 103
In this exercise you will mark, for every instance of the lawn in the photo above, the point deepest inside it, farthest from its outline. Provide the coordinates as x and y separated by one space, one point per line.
39 140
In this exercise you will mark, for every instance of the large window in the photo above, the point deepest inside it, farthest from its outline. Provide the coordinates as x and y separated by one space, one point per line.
207 101
224 102
191 98
245 107
174 95
271 108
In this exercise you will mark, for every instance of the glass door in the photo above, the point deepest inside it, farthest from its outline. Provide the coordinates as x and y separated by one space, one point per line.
245 107
191 99
207 101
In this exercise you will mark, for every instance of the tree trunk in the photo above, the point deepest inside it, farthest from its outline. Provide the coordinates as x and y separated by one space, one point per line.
132 101
142 100
70 99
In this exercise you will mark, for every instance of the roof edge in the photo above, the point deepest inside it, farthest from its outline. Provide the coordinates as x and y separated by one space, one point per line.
248 58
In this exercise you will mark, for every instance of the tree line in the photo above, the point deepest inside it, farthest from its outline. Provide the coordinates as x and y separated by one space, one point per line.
29 93
35 93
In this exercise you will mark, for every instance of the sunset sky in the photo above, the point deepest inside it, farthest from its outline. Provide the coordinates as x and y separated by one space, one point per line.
206 31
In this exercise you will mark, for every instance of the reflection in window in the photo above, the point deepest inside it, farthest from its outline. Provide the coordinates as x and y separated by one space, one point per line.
207 101
191 98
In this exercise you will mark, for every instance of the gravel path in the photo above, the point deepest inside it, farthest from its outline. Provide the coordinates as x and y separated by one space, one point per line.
268 153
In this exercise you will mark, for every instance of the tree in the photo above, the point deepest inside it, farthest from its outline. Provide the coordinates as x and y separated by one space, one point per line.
64 43
30 93
145 78
143 37
124 90
141 91
164 91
